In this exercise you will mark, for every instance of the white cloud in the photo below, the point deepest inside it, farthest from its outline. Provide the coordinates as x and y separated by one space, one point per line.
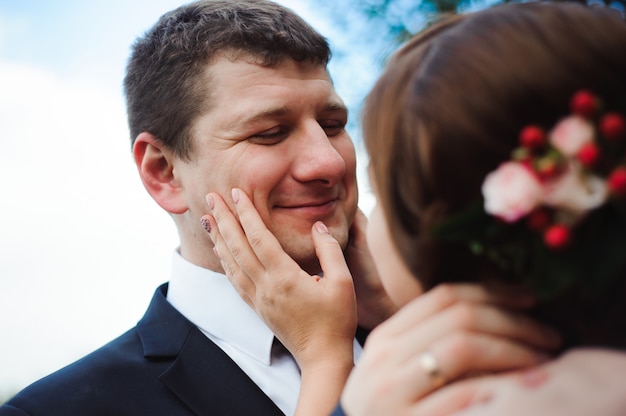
82 245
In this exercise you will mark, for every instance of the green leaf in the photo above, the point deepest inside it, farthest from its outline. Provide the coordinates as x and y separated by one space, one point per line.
465 227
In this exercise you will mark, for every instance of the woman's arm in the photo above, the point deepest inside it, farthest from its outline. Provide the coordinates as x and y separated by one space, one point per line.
466 328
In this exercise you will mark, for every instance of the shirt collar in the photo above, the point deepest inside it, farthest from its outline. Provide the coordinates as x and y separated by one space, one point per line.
209 300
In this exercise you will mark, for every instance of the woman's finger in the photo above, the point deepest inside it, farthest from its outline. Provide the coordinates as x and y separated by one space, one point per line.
234 238
464 323
486 319
446 295
242 283
455 397
267 251
329 253
460 355
512 392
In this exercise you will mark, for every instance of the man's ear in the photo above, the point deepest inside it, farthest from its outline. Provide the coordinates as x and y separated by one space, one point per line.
155 163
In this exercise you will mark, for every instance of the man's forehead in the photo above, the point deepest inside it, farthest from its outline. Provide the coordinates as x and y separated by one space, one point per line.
227 73
226 79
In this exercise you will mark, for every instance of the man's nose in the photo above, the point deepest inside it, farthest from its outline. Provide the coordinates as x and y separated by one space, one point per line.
318 158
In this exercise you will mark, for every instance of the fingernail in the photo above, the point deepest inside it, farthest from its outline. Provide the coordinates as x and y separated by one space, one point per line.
321 227
235 194
209 201
206 224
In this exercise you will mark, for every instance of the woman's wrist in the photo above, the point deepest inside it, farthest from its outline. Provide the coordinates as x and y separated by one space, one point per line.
322 383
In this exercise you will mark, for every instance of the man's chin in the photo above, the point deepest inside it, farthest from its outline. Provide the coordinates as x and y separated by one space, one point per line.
341 234
302 251
299 244
307 260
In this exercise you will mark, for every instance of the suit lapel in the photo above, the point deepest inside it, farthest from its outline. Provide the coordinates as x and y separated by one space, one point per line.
202 375
208 381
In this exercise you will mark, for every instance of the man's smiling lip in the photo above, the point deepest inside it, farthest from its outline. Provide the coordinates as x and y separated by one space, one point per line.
312 208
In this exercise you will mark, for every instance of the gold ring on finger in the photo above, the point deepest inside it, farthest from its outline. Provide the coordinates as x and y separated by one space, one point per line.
429 364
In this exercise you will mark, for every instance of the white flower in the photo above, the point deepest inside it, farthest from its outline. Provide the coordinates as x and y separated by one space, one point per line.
576 191
571 134
511 191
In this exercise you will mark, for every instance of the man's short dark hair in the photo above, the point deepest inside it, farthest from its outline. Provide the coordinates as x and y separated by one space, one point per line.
166 85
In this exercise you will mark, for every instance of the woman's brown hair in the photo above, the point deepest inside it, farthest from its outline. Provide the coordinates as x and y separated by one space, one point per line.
450 104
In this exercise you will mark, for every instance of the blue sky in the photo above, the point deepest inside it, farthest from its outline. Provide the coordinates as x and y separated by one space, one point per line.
82 246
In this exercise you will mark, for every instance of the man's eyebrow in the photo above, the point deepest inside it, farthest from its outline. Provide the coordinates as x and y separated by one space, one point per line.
249 119
330 107
262 115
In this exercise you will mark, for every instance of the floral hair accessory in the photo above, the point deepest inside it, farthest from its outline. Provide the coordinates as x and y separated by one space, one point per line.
555 213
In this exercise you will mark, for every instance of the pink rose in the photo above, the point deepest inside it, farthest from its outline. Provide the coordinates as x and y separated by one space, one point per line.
511 191
571 134
575 191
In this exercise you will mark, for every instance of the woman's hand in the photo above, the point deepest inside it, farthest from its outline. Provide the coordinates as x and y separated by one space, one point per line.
314 317
464 328
582 382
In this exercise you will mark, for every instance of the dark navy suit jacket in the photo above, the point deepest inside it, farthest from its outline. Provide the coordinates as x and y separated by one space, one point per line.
163 366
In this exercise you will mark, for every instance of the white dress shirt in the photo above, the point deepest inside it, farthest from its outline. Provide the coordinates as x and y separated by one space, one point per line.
208 300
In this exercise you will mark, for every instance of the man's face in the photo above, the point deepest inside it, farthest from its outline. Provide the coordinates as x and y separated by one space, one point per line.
278 134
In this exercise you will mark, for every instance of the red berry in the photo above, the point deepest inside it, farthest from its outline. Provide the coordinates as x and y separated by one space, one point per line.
557 237
613 126
617 181
584 104
588 154
532 137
